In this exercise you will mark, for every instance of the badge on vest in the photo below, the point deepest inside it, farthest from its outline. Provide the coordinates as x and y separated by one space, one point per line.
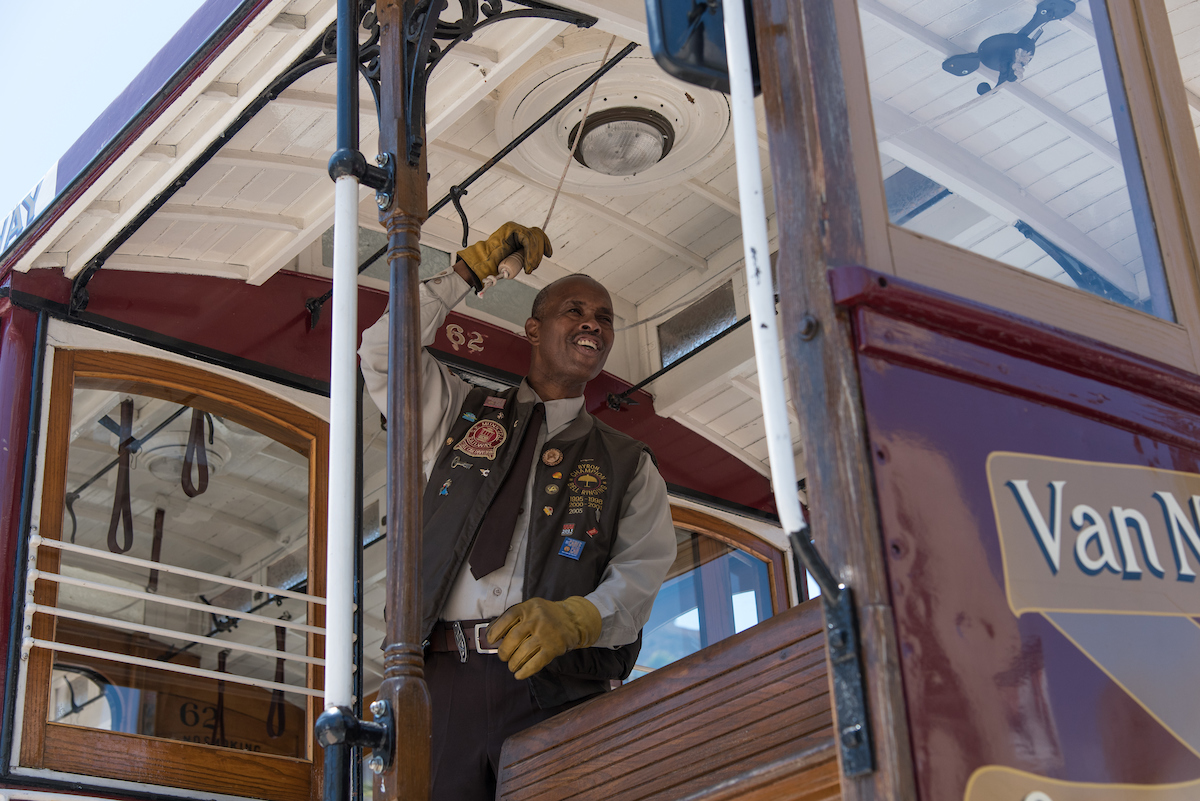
445 490
492 402
469 417
552 457
587 487
571 548
592 532
483 439
568 529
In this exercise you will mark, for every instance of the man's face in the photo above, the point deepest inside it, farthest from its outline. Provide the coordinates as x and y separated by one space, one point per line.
572 340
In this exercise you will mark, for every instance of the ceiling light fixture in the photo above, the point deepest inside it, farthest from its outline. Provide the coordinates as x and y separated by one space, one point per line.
623 141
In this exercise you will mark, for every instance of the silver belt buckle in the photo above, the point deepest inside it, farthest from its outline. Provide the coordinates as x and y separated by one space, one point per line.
478 639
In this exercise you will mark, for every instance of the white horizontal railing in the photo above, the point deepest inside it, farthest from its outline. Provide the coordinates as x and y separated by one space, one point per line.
31 608
95 553
172 634
126 659
168 600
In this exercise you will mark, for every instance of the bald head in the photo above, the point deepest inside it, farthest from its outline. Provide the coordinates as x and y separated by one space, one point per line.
542 300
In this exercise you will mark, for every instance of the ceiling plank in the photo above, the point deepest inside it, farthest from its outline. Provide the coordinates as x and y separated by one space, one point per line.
271 161
451 105
730 204
165 264
487 57
223 216
601 211
935 156
259 273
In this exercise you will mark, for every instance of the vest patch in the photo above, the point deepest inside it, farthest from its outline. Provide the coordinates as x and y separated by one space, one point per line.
588 485
482 439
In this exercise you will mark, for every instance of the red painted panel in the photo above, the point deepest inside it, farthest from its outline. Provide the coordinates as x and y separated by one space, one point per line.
18 331
945 384
268 324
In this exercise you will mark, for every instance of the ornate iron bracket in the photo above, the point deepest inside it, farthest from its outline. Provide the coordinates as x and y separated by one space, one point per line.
422 53
841 637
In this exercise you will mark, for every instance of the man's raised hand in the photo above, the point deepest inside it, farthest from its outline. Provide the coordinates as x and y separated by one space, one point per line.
483 258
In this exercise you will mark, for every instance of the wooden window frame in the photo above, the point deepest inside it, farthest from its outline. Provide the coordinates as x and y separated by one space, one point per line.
141 758
1170 163
742 540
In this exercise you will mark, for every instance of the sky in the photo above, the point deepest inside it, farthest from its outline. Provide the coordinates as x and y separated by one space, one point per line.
61 64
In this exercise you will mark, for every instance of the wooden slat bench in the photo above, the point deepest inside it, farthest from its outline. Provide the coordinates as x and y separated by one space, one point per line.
748 718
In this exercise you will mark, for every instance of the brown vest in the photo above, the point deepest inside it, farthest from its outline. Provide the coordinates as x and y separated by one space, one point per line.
572 528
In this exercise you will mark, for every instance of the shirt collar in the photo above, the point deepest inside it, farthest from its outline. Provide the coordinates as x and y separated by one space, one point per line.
559 413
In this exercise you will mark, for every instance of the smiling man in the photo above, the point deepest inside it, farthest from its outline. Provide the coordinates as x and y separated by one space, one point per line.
546 533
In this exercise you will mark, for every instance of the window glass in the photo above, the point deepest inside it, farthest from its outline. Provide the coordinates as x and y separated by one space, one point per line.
712 591
143 650
1003 129
697 324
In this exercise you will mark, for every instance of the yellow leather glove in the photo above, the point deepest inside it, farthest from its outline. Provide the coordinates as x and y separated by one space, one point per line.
534 632
484 257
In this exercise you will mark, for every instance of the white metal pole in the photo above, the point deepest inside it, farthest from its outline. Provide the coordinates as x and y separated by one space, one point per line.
343 386
758 269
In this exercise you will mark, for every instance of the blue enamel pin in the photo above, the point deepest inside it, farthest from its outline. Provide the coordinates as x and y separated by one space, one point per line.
571 548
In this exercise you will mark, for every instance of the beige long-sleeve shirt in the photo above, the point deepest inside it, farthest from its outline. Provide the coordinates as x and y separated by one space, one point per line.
645 543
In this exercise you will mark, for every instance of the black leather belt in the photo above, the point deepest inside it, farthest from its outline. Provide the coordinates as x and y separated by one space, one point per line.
461 636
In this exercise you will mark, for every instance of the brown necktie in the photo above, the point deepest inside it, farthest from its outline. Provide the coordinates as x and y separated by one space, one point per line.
495 533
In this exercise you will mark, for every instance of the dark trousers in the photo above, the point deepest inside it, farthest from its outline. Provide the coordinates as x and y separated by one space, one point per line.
477 704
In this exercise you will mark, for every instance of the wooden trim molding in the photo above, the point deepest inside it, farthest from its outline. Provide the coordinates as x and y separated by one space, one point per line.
807 98
1163 119
970 276
731 535
144 759
999 330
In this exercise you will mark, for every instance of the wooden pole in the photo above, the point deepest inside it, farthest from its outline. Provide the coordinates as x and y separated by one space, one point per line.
403 663
821 226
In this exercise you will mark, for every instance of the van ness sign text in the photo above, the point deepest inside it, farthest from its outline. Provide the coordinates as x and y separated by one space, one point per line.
1095 537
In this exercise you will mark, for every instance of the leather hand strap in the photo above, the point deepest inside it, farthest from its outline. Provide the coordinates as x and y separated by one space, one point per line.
156 548
197 455
121 512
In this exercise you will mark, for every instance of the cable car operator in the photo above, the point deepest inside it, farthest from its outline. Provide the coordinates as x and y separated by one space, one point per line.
546 533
